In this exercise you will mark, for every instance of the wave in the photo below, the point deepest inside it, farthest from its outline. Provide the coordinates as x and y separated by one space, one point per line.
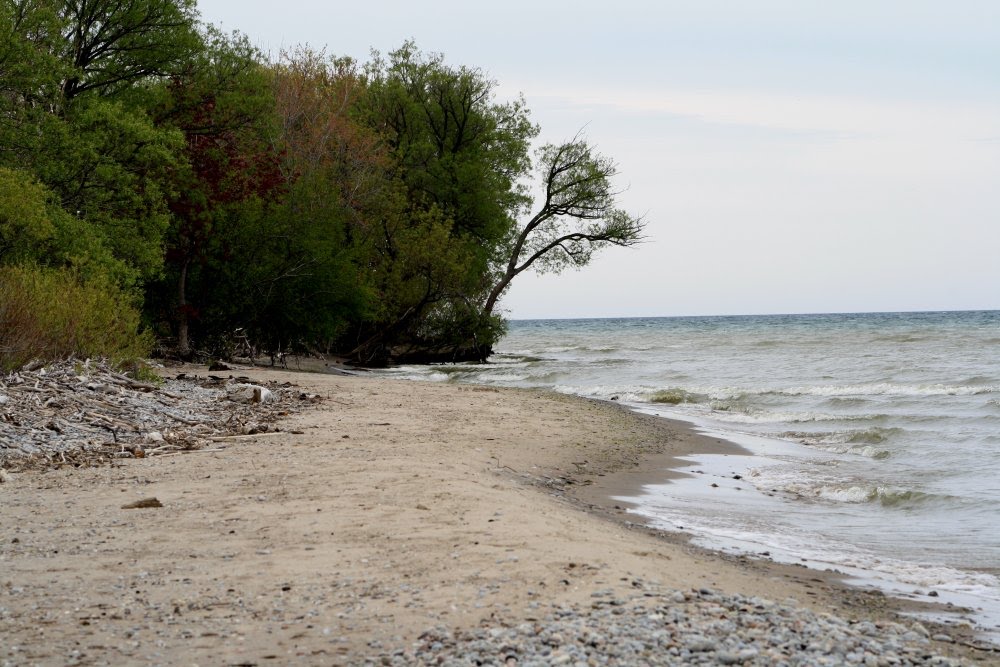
850 492
730 398
900 338
497 377
887 497
866 451
872 436
676 397
614 361
766 417
526 355
857 441
517 358
600 349
887 389
979 380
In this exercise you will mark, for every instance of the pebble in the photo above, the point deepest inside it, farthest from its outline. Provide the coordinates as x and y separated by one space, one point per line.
702 627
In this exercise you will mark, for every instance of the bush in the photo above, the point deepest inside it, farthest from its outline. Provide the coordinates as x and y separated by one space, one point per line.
51 314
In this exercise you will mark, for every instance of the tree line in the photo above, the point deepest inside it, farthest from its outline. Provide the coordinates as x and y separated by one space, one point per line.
163 182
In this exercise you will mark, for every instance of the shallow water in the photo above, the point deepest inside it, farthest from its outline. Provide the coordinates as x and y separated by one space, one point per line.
875 438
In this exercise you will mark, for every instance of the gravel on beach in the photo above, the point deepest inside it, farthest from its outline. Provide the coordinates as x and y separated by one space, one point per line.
699 627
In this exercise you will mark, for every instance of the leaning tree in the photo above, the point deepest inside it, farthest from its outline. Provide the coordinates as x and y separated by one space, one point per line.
577 217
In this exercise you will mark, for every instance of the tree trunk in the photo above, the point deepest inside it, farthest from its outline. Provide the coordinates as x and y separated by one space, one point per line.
183 340
491 300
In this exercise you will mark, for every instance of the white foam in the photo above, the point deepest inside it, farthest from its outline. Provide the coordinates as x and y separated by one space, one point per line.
888 389
766 417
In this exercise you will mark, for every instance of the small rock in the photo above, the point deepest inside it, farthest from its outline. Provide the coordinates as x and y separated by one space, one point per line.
250 393
699 644
142 504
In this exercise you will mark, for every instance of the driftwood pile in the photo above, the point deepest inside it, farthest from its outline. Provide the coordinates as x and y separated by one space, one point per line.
87 413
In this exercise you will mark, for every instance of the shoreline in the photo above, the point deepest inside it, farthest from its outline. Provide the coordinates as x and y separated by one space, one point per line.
607 497
949 615
390 508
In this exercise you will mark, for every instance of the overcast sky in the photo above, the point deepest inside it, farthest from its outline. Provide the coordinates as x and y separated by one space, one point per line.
790 156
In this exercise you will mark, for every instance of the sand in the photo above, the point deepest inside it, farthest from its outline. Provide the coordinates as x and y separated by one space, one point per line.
398 506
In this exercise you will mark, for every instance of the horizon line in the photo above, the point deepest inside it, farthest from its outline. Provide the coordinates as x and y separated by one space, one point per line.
775 314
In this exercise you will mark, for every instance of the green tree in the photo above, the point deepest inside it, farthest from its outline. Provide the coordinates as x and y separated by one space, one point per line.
222 105
111 45
24 219
34 229
69 115
457 147
460 155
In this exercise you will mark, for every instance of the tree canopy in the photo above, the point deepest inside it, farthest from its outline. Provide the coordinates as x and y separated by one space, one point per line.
377 210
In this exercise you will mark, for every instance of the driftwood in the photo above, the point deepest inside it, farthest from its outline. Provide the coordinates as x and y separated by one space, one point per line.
87 413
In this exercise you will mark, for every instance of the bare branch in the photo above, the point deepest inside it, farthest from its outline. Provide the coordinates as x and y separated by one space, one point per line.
578 215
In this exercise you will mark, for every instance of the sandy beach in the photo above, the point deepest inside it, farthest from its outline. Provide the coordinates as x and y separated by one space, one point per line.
386 509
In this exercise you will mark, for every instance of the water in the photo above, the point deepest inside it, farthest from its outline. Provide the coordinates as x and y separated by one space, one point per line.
874 439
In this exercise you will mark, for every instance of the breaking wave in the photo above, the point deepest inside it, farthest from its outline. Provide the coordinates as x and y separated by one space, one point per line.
676 397
849 492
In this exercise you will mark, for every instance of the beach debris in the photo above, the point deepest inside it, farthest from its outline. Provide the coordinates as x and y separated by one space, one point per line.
145 503
250 393
85 413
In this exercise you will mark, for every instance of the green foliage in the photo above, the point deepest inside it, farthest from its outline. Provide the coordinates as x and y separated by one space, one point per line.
141 371
112 46
30 70
70 77
286 279
459 156
311 203
114 171
456 146
24 220
33 228
51 314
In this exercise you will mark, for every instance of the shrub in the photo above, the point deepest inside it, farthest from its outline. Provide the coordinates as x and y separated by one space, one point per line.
51 314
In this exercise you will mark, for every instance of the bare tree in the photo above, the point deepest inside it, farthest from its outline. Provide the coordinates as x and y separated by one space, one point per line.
577 218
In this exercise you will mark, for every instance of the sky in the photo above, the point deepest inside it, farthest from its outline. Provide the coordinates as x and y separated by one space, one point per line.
789 156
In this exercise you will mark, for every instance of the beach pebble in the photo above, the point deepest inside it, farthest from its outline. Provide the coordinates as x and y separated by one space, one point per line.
671 628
